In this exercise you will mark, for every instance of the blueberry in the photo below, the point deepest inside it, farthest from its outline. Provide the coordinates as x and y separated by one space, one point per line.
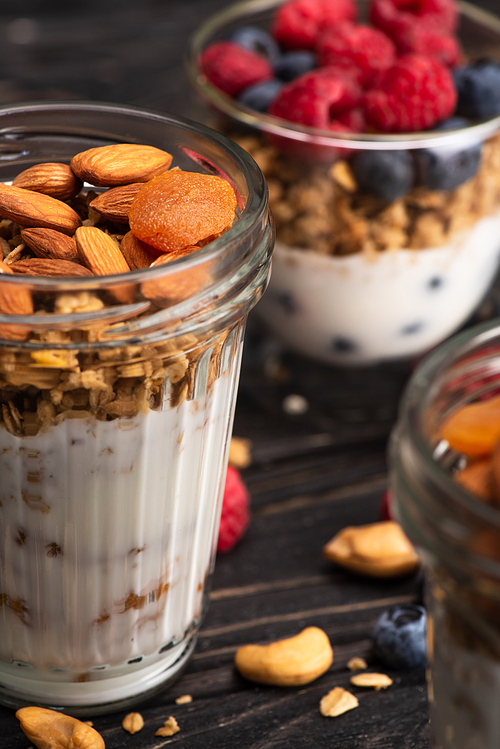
447 167
435 282
289 304
256 40
399 637
386 174
478 88
343 345
292 64
260 95
413 327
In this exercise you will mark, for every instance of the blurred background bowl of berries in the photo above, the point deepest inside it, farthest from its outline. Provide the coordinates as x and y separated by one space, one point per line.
376 125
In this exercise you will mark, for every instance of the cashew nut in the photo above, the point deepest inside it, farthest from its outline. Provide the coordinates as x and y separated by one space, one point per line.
287 663
378 549
48 729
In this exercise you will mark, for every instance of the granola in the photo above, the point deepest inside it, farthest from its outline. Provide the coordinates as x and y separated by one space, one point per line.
321 208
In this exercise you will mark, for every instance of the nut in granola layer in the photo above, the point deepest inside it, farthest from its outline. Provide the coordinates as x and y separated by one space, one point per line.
51 244
120 164
337 702
290 662
371 680
54 179
377 550
133 723
49 729
114 204
32 209
169 728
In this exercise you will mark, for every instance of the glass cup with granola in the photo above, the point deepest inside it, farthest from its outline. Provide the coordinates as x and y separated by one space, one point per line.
377 128
133 246
445 489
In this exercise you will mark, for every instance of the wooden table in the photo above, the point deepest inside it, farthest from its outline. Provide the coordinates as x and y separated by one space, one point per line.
312 473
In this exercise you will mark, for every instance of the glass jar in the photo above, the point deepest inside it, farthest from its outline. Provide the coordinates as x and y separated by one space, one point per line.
458 537
367 269
116 405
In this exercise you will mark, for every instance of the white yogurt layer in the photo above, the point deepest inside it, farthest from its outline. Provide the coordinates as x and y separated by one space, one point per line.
109 535
351 310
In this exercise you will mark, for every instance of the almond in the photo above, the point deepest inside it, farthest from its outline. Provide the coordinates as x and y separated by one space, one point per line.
54 179
29 208
14 300
138 254
182 285
120 164
48 243
114 204
37 266
99 252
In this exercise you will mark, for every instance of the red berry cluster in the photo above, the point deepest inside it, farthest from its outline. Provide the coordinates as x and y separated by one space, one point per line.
390 77
235 516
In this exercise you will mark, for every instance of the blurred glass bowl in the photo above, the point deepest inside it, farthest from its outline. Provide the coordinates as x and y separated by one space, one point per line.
358 279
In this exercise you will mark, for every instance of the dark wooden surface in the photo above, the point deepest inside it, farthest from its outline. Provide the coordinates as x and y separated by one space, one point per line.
312 474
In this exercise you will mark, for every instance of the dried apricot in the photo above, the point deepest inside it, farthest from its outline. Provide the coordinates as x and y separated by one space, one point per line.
177 209
478 479
475 428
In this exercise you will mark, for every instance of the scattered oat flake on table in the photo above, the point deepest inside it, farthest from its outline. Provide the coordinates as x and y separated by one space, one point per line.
183 699
295 404
375 681
357 664
133 722
336 702
169 727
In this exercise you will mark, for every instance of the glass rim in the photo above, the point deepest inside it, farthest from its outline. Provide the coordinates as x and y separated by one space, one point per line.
417 395
250 213
304 134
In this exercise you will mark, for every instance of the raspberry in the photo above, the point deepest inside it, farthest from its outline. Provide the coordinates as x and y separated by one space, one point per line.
235 511
441 14
316 99
416 37
348 44
297 23
385 506
233 68
416 93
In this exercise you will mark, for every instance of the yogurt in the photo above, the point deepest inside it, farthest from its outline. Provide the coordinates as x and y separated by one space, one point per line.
110 531
360 309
